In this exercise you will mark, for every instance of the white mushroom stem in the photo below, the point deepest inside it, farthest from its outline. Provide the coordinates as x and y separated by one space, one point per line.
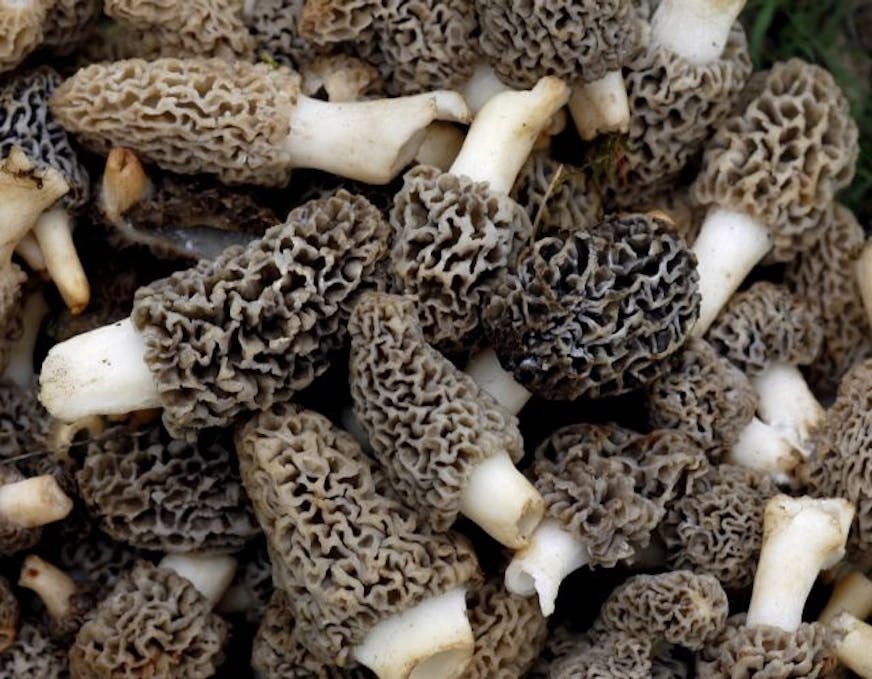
432 640
502 501
553 553
34 502
51 584
695 29
600 106
853 641
863 273
124 184
483 86
28 249
787 404
370 141
504 132
852 594
442 142
19 369
101 372
763 448
801 536
54 232
491 377
730 244
210 574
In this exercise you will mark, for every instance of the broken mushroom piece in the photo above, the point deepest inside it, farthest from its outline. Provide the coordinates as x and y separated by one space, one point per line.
289 288
330 530
446 447
66 601
851 594
769 173
21 29
9 614
34 655
25 506
246 123
697 31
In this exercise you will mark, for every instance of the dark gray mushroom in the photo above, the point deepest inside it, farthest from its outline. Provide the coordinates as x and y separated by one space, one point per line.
34 655
69 24
274 24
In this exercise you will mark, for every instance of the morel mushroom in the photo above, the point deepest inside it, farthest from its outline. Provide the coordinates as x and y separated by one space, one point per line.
769 173
272 311
69 23
598 655
365 580
34 655
25 506
11 330
21 30
264 128
274 25
97 559
66 601
446 447
9 612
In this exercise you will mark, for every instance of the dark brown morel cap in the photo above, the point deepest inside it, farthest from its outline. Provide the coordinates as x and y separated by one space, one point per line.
454 239
595 313
704 395
784 155
766 324
330 531
34 655
154 621
274 26
153 492
272 312
428 423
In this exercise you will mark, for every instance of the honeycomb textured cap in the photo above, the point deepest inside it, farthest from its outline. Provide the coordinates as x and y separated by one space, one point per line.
595 312
154 621
823 277
274 26
428 422
34 655
611 486
766 324
454 239
21 30
14 538
717 527
346 556
98 559
602 656
156 493
569 40
186 115
255 325
704 395
69 23
744 652
783 156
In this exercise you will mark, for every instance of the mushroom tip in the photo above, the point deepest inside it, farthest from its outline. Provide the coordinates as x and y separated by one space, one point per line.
124 184
450 106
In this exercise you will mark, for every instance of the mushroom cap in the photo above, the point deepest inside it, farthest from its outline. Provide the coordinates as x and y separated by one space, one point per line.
34 655
273 312
767 652
154 621
717 527
21 30
704 395
823 277
186 115
595 313
156 493
9 614
28 123
346 556
604 656
98 559
14 538
11 280
571 40
766 324
428 422
69 23
611 486
453 241
783 156
274 26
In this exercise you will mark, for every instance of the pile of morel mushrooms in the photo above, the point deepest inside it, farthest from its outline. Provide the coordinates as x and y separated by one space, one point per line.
427 340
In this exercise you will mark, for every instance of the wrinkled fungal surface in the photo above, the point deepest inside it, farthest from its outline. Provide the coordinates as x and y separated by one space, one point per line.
704 395
255 325
11 280
69 24
454 239
595 312
21 30
9 612
717 527
14 538
611 486
766 324
346 556
153 492
186 115
428 423
783 156
575 41
154 623
604 656
274 26
23 424
34 655
97 559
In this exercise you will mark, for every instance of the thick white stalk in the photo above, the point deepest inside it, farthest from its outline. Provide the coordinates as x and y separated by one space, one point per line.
504 132
54 232
432 640
123 185
730 244
442 142
863 274
801 536
600 106
695 29
853 641
34 502
19 369
763 448
371 141
482 86
50 583
491 377
553 553
852 594
101 372
210 574
787 404
502 501
28 249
